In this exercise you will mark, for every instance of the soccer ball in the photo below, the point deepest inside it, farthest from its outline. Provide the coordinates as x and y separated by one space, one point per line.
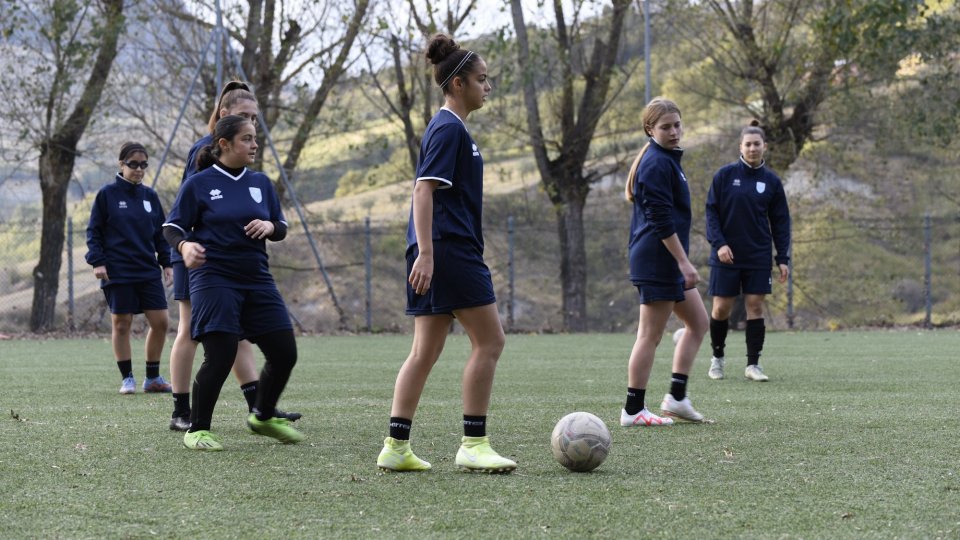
678 334
580 441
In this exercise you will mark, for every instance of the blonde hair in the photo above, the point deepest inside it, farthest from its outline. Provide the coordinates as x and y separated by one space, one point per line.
652 113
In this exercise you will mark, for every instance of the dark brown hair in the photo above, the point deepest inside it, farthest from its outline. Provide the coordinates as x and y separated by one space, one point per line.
225 128
129 148
232 92
753 129
449 60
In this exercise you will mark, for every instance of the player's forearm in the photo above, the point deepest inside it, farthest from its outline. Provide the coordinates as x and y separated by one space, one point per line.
423 217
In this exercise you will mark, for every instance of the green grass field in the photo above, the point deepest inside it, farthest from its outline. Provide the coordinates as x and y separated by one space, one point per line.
855 436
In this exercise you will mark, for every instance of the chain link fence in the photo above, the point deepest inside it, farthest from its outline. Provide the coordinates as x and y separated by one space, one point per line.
846 272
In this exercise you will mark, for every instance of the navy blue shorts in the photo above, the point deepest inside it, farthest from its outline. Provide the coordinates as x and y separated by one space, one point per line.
132 298
660 292
460 280
728 282
181 281
246 313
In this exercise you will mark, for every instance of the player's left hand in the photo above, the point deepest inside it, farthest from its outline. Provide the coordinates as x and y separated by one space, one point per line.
784 273
259 229
168 276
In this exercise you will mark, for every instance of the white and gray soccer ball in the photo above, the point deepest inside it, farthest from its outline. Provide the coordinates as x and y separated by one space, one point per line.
678 334
580 441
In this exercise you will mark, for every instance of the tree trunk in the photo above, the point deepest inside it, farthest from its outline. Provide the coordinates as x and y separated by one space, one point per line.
573 264
56 166
57 156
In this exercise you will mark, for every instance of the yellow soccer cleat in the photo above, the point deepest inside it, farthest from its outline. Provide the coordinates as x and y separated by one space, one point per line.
396 456
476 455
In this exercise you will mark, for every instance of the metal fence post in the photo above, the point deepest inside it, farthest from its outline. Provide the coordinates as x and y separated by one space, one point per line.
510 273
790 315
368 266
927 256
70 304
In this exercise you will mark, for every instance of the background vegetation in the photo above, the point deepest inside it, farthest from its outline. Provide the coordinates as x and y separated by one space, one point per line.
879 155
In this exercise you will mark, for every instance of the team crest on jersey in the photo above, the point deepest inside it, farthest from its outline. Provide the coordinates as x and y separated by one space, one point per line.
147 206
123 205
215 194
761 187
256 195
475 151
736 182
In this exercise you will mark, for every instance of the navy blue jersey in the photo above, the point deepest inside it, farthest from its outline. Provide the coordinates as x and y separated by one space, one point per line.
212 209
449 155
189 170
747 210
191 167
661 207
125 233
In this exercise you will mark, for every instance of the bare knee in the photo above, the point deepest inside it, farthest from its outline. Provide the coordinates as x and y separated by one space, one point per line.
492 347
121 326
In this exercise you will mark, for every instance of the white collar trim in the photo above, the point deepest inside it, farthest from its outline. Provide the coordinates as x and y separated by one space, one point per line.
445 108
760 166
225 173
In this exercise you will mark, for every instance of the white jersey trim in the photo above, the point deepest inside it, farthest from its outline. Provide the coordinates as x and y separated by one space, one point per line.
175 225
235 178
445 108
444 183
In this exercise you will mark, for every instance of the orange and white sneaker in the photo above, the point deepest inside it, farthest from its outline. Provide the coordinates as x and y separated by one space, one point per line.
681 410
644 418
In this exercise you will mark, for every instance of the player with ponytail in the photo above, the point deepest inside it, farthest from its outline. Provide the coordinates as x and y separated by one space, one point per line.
660 269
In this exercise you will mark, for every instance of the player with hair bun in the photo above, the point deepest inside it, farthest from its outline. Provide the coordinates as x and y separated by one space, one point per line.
659 267
747 215
126 249
447 277
235 99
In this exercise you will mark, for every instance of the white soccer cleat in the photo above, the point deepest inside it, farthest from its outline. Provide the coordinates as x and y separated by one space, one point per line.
681 410
716 368
644 418
755 373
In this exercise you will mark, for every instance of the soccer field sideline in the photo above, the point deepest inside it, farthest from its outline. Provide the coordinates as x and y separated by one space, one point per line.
835 445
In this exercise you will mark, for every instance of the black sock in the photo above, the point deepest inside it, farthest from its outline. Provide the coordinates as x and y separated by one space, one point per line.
474 426
718 336
756 332
126 368
635 397
250 394
280 355
153 369
678 386
400 428
181 405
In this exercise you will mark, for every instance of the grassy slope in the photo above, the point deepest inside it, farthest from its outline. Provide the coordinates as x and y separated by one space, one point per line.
839 444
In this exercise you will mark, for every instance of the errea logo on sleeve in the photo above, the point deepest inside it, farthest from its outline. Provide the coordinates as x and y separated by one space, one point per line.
215 194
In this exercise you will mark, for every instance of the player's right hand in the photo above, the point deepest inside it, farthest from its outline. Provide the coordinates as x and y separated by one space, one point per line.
194 255
725 254
100 272
690 275
421 274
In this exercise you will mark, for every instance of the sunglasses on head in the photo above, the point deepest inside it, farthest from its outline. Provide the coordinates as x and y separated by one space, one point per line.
136 164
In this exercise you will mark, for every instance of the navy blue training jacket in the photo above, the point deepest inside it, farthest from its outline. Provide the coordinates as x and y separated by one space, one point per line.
747 210
661 207
125 233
